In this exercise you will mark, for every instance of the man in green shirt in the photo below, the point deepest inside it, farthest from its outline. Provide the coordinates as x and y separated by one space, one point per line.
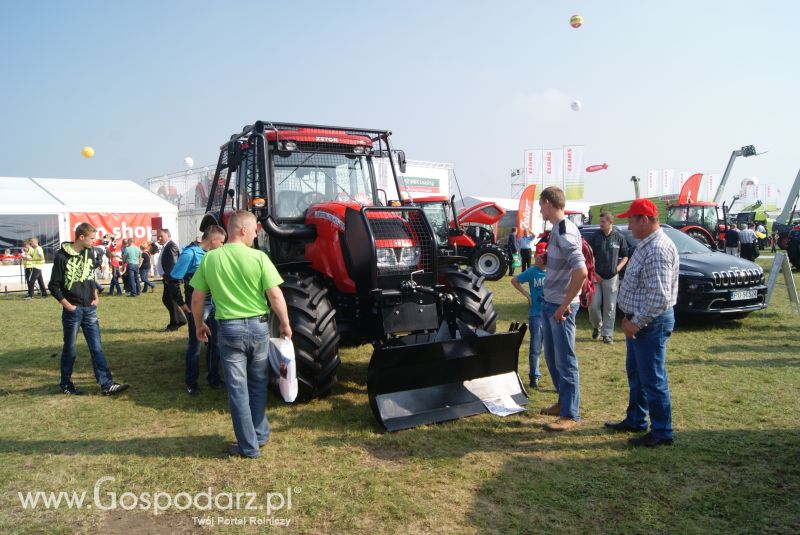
238 278
132 256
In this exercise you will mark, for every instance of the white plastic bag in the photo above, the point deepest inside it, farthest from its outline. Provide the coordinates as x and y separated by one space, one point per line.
281 351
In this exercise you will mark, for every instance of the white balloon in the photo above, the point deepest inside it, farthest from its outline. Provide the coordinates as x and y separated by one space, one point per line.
188 162
576 105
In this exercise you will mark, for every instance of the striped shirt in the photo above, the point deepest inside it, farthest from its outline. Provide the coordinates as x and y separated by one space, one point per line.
650 286
747 236
564 255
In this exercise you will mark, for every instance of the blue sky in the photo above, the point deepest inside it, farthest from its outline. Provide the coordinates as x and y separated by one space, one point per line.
663 85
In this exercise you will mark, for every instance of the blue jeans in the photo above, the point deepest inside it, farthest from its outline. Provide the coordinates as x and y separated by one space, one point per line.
244 348
83 318
562 362
645 363
535 350
133 279
193 352
145 276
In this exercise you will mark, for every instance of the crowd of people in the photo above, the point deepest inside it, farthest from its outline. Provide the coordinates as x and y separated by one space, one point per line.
222 290
645 296
747 240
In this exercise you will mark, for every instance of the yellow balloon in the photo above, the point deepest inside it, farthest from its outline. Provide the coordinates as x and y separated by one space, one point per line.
87 152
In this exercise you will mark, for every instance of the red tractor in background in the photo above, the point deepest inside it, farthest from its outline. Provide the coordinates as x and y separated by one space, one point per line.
360 268
698 219
471 234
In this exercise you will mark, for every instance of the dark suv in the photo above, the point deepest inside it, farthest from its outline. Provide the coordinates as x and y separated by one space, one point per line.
709 282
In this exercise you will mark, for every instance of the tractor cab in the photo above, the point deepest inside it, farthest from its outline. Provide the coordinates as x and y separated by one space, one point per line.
700 220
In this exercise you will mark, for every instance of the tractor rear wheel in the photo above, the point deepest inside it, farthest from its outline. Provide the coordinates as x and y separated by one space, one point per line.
794 253
476 307
314 335
701 236
490 261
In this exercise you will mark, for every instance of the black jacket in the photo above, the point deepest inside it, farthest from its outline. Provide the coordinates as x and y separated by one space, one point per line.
169 257
73 276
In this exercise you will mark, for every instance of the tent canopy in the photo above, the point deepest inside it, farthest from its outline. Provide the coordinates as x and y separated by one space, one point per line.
23 195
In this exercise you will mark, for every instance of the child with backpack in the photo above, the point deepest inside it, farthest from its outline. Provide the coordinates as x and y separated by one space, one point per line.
534 276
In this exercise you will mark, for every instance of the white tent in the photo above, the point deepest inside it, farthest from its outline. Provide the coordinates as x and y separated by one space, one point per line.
50 208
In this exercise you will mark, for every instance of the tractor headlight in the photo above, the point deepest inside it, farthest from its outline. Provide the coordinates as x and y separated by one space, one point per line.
409 256
358 149
287 145
386 257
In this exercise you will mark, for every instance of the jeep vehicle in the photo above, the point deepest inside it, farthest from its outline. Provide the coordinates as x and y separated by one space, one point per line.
709 282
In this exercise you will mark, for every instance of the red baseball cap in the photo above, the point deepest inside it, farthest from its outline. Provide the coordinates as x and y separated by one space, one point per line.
541 248
640 207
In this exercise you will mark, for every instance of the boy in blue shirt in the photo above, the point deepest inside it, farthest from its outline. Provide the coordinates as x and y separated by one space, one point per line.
534 276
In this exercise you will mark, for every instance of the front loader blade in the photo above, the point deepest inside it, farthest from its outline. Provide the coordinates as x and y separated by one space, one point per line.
432 378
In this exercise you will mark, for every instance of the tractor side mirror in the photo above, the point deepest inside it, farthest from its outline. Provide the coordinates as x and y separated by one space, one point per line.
383 199
401 161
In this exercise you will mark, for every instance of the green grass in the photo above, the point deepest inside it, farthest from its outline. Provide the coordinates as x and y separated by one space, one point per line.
735 467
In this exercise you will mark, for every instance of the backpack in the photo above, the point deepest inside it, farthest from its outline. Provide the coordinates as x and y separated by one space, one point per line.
587 289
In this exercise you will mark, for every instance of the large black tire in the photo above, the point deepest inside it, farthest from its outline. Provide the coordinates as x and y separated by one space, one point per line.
314 334
794 253
702 237
476 306
490 261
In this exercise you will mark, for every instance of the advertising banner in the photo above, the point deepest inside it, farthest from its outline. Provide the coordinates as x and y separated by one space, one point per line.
527 207
667 181
551 168
573 172
119 226
533 166
707 193
652 183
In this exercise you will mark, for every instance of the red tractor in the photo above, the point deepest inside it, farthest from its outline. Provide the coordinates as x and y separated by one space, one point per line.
359 268
698 219
470 235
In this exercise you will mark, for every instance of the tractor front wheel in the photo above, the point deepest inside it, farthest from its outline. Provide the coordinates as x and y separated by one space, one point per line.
490 261
476 307
314 335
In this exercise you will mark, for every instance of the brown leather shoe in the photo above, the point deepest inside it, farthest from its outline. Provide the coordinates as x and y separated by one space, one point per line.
552 410
562 424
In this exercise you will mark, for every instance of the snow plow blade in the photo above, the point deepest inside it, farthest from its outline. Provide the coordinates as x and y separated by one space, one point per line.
430 378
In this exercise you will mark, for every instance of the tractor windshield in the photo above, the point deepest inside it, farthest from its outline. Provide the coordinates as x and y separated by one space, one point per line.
684 215
303 179
437 215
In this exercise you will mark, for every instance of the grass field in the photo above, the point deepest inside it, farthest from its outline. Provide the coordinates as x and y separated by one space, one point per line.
735 466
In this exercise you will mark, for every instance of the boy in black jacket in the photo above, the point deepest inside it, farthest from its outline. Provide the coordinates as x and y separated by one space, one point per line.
72 285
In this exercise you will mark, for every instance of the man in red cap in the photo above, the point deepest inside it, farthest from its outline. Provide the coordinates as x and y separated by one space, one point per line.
648 293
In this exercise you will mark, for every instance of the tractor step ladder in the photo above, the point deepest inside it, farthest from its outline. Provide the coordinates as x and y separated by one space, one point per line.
781 263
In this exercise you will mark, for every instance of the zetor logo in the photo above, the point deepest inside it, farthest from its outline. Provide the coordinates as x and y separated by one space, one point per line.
327 139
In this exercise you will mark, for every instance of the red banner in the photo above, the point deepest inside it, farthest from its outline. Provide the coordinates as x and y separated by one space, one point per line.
136 226
526 207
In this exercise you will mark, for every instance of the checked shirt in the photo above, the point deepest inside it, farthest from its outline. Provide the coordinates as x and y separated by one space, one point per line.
650 286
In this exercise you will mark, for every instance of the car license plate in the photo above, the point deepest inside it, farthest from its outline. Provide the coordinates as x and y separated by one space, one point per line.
740 295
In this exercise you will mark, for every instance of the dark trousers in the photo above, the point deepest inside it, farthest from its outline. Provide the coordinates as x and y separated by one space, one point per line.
510 261
133 279
32 276
114 282
525 256
176 316
193 354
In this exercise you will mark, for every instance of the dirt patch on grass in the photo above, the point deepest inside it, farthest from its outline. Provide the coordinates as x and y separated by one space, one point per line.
144 523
